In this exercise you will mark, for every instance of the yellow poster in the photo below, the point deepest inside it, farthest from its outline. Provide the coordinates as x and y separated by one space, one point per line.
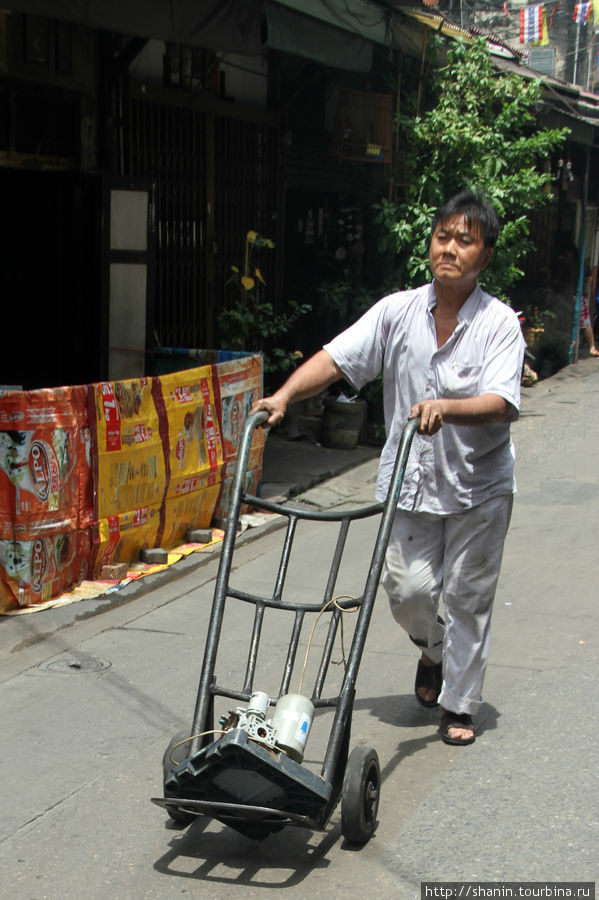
196 453
251 484
121 538
131 471
192 510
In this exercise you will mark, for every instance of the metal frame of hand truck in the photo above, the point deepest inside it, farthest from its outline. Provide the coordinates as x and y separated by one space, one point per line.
228 777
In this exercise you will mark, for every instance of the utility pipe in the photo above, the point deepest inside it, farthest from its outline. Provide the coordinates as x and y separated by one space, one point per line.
573 353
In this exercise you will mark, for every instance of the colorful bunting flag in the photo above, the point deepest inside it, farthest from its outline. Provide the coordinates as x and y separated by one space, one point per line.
582 12
553 12
533 25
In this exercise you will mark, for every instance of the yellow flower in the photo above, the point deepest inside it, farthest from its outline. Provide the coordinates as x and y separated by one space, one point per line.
247 282
234 269
251 236
258 275
297 354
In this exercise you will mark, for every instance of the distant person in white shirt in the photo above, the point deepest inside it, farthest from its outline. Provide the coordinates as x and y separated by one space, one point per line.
451 355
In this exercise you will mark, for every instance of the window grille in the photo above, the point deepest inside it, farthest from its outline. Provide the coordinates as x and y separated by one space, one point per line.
363 127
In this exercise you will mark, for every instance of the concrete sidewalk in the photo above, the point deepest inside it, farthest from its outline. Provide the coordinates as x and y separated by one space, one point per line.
291 467
89 702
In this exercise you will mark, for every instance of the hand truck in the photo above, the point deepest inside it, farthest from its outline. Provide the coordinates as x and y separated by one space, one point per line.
248 773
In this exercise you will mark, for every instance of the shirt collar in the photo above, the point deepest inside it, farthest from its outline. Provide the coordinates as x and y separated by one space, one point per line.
468 309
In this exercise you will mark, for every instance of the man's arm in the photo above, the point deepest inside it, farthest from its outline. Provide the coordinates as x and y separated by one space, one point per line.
485 409
316 374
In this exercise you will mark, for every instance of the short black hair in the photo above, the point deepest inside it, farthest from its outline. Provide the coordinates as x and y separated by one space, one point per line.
475 209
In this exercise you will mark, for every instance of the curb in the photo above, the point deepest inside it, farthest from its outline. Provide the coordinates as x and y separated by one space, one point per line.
188 564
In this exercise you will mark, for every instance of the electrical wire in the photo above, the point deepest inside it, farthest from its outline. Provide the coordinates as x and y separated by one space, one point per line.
365 22
187 741
192 737
333 600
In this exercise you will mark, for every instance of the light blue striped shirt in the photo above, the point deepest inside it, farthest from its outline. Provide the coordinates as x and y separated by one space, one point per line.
460 466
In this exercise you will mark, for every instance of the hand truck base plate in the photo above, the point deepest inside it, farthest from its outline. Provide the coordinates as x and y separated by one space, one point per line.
235 780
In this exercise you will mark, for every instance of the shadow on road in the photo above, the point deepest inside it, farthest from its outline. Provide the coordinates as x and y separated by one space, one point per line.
403 711
212 853
225 857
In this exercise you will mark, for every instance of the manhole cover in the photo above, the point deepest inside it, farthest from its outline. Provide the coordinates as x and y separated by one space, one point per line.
75 666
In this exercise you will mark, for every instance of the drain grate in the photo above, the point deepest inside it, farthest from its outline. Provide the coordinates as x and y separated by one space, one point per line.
81 666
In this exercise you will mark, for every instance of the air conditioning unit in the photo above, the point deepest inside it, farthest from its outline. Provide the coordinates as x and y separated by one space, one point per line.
542 60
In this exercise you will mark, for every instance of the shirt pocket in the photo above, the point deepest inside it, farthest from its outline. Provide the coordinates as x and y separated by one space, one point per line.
461 380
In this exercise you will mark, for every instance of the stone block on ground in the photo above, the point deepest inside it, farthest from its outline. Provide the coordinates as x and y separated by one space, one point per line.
118 571
199 535
154 556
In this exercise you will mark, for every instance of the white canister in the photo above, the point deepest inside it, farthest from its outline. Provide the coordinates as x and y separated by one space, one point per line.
291 722
258 705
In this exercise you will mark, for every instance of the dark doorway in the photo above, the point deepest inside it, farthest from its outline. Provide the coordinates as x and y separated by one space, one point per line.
50 278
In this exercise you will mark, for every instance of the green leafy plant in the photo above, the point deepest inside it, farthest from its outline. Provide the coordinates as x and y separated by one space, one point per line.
534 317
344 299
479 134
251 323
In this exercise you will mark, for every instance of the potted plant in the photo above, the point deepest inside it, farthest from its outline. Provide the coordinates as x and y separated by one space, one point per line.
251 323
533 326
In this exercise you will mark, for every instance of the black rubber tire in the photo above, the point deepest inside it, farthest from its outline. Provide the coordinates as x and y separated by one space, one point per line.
360 795
183 818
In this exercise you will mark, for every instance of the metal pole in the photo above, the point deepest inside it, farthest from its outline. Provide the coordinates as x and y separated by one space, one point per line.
222 579
574 76
590 56
573 353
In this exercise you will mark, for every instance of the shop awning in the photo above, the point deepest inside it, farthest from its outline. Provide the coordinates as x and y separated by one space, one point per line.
337 32
292 32
367 20
232 26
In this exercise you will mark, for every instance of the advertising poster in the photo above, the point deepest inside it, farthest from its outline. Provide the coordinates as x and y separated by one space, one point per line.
45 493
45 475
34 571
130 461
91 475
189 510
120 538
238 383
194 439
252 482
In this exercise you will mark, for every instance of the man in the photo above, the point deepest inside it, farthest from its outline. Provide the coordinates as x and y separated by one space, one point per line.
451 356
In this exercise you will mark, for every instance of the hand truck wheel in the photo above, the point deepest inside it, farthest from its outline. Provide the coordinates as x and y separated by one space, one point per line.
360 796
177 815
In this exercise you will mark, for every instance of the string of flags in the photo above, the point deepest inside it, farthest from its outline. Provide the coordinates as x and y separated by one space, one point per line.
582 12
534 23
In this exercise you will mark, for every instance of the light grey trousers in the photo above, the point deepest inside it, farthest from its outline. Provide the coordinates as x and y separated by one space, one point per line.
456 557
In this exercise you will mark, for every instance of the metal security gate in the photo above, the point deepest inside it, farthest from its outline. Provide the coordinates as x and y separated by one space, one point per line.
245 196
216 178
167 144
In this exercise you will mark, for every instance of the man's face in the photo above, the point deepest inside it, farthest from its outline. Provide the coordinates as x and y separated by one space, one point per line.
457 253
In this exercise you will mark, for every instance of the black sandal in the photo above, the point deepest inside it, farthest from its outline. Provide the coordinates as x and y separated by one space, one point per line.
456 720
428 677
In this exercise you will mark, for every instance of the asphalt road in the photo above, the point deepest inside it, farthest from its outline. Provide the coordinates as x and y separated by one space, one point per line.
89 703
